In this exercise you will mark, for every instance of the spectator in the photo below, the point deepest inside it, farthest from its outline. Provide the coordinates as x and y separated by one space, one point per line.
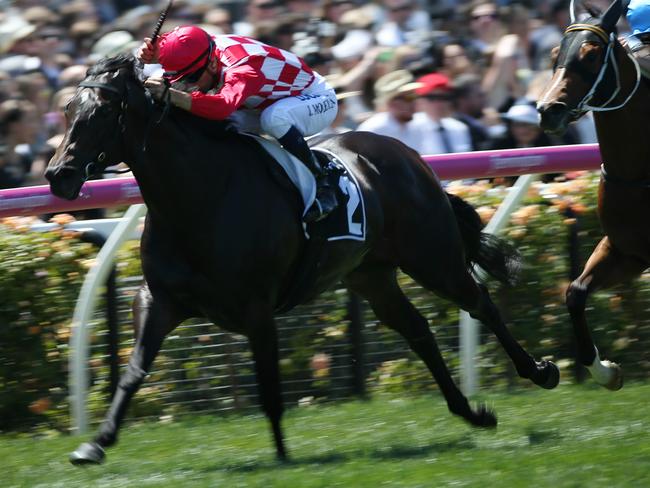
469 108
484 31
395 101
18 128
509 71
220 18
404 24
522 130
437 130
257 11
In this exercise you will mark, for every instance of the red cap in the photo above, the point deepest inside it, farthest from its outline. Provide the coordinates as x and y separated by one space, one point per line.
183 51
432 82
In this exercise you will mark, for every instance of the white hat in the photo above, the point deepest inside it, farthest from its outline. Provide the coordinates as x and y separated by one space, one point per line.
523 113
112 44
13 29
355 43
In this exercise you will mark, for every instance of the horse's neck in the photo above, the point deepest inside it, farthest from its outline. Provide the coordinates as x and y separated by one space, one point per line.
623 133
175 173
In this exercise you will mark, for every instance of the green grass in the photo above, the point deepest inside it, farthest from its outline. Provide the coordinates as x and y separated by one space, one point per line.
573 436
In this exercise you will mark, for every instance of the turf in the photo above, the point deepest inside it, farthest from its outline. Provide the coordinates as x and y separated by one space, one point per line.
573 436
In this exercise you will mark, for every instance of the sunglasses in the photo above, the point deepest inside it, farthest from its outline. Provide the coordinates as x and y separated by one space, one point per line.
401 8
267 5
437 97
485 16
195 76
406 97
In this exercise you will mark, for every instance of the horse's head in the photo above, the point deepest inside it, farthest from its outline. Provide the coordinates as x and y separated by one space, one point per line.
95 122
586 74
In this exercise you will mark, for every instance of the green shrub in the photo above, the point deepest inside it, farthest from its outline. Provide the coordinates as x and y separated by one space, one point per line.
40 276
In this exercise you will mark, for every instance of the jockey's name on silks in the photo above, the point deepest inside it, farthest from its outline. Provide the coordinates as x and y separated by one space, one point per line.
322 107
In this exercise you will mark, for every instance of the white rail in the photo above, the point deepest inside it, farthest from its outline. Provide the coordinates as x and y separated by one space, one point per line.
468 326
96 277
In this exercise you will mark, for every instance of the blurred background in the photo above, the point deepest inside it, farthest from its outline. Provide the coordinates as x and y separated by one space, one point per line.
480 65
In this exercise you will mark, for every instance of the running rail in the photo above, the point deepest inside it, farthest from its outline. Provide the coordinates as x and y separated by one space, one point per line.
36 200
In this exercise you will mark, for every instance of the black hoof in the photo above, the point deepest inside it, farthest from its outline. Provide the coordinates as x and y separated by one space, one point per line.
88 453
484 417
552 376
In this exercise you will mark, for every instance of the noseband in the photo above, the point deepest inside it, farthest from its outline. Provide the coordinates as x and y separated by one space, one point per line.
610 41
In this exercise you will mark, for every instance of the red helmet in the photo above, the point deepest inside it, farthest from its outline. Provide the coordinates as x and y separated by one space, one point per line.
184 50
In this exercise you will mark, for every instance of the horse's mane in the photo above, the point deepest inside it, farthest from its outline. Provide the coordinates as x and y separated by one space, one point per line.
115 63
209 128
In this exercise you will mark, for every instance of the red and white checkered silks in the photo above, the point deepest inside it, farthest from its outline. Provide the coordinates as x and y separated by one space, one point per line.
286 74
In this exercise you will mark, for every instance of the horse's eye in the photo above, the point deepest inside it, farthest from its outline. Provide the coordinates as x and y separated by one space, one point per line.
591 56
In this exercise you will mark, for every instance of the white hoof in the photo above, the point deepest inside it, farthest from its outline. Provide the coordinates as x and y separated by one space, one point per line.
606 373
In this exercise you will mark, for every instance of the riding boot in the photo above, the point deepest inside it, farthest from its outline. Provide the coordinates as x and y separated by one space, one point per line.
325 202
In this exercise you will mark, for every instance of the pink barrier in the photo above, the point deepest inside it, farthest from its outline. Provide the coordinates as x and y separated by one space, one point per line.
36 200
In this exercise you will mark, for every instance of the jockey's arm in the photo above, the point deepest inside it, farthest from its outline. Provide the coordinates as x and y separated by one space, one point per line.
239 84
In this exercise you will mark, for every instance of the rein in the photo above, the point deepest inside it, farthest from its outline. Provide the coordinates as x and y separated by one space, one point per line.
91 168
610 42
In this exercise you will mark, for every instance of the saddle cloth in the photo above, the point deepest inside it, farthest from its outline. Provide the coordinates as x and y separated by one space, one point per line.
348 220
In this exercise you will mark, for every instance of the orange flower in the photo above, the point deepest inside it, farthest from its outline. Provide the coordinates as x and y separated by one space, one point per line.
62 219
40 406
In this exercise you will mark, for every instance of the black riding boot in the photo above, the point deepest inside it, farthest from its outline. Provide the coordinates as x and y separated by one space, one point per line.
325 202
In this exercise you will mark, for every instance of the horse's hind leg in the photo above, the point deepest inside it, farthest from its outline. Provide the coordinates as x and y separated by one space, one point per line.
461 288
153 320
605 267
379 286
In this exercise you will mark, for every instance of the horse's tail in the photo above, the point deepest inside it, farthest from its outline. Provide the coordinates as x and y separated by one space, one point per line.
497 257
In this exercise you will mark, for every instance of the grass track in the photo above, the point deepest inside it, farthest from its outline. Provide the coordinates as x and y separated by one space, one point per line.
574 436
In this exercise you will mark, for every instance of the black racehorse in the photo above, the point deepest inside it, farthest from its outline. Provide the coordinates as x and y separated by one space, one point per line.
223 237
593 71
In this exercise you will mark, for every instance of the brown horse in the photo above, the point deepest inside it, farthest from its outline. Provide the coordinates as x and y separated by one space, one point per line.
223 237
593 71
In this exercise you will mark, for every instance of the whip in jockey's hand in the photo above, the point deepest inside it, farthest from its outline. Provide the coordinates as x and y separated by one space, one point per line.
255 85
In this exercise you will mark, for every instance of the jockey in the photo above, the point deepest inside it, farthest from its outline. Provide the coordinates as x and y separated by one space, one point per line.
638 16
258 86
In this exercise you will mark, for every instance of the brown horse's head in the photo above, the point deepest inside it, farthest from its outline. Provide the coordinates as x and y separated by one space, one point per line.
94 125
586 74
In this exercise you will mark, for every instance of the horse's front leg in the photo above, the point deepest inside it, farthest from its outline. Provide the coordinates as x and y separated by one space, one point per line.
606 267
154 318
263 339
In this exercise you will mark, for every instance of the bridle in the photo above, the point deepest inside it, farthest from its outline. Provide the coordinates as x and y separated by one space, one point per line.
91 167
609 40
584 106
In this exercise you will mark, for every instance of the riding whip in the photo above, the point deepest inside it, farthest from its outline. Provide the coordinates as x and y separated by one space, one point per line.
161 21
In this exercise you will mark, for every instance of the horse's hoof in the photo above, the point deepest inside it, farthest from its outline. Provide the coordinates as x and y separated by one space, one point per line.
607 374
616 381
88 453
553 378
484 417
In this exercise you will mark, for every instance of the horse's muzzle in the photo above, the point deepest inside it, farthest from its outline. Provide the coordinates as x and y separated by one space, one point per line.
555 117
65 181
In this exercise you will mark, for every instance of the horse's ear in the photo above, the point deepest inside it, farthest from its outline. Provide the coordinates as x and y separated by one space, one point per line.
610 18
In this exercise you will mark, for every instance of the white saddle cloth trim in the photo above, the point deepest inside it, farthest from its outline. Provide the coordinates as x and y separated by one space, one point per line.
297 172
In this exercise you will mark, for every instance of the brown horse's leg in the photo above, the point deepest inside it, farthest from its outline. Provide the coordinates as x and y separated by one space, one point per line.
605 267
379 286
461 288
153 320
263 340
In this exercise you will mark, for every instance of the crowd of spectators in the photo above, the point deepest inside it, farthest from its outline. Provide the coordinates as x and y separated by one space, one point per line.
440 75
